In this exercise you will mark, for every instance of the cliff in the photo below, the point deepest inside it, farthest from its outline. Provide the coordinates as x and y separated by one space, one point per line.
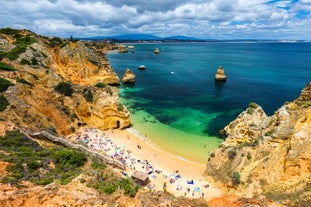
40 64
268 156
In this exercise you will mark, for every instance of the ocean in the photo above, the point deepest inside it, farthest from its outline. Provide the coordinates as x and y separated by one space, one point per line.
176 103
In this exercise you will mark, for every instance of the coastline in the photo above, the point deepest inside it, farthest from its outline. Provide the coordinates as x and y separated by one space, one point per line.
138 148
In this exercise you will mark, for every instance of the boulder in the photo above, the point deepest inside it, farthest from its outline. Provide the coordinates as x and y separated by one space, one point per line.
156 51
128 77
220 74
142 67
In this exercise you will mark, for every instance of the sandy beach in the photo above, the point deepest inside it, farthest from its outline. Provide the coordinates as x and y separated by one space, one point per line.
180 176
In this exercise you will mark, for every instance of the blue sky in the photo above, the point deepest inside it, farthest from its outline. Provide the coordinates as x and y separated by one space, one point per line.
212 19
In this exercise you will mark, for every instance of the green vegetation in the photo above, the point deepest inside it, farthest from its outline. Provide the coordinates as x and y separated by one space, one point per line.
22 42
56 41
4 84
3 103
4 66
33 61
64 88
249 156
88 95
120 107
232 153
22 80
236 178
250 111
29 161
9 31
253 105
100 85
269 133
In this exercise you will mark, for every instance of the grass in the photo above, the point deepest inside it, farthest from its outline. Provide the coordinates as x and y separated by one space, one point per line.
6 67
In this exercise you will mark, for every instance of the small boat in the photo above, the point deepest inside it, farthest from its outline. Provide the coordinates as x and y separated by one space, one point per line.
142 67
172 73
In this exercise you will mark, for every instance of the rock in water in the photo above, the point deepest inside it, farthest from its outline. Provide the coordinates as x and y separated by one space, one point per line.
220 74
142 67
156 51
128 77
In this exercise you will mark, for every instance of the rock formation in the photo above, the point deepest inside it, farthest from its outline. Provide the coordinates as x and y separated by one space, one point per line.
47 62
268 156
142 67
128 77
220 74
122 49
156 51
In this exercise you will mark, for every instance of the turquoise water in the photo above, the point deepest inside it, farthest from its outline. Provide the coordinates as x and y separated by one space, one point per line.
178 88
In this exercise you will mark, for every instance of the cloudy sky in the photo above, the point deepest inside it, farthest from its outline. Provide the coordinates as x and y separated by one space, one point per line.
215 19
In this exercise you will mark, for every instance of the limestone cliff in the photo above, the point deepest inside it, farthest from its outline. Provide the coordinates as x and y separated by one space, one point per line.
268 155
40 64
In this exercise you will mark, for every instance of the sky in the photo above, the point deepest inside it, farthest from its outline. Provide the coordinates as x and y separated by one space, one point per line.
207 19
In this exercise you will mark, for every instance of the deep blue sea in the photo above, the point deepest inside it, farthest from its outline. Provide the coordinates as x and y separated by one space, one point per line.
179 90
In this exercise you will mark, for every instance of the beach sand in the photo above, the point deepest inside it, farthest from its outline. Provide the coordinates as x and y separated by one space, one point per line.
171 167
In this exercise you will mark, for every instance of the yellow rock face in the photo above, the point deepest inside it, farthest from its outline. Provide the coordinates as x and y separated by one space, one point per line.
38 105
271 154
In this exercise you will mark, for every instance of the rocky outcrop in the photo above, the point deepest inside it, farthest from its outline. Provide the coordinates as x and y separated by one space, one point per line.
220 74
122 49
268 156
128 77
80 65
45 63
156 51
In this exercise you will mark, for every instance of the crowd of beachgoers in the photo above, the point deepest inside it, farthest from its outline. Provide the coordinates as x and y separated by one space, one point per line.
175 182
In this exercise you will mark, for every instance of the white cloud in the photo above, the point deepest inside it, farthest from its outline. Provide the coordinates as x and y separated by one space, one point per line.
200 18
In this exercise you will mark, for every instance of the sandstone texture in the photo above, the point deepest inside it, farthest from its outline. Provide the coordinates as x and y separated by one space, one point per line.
44 64
128 77
268 156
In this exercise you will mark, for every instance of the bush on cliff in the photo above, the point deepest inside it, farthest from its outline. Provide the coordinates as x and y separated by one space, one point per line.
3 103
236 178
6 67
4 84
64 88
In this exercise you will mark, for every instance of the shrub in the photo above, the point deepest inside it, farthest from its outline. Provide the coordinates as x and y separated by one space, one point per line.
9 31
4 66
249 156
70 157
253 105
236 178
4 84
3 103
32 164
24 62
22 80
212 154
232 153
269 133
64 88
88 95
100 85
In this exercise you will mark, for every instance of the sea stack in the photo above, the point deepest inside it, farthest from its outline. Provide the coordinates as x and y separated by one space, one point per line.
128 77
156 51
220 74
